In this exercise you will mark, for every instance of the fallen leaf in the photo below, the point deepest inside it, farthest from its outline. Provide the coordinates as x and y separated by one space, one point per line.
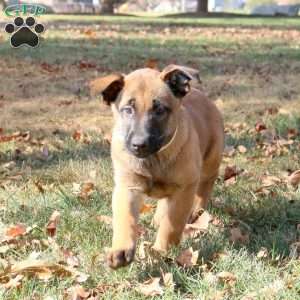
105 219
14 282
52 224
8 138
198 226
39 186
236 236
90 33
146 208
295 250
229 151
294 178
230 181
45 151
38 268
76 135
229 172
84 190
70 258
140 230
262 253
292 133
107 137
78 293
227 277
87 189
188 258
151 287
259 126
15 231
268 181
144 248
242 149
168 280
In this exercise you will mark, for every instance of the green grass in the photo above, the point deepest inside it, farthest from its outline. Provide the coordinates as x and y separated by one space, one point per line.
247 65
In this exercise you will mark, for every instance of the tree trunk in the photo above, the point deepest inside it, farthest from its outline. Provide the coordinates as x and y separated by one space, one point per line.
3 4
107 7
202 6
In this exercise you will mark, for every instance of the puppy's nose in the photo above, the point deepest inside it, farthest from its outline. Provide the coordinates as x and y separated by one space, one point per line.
139 145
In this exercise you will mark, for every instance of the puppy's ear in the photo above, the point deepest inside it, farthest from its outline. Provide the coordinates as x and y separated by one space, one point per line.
178 79
109 86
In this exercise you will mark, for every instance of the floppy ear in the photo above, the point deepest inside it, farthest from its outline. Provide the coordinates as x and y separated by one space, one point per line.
178 79
109 86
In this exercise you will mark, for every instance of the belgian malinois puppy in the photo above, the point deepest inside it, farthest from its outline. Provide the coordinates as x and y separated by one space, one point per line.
167 144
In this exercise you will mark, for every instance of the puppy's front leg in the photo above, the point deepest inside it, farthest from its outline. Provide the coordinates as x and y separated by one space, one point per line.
126 206
179 207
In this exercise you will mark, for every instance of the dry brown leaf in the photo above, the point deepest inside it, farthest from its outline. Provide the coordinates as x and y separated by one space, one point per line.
229 151
70 258
188 258
295 250
294 178
40 269
146 208
105 219
242 149
151 287
227 277
76 135
39 186
230 181
236 236
87 189
168 280
107 138
259 126
52 224
90 33
8 138
14 282
79 293
268 181
262 253
15 231
199 225
229 172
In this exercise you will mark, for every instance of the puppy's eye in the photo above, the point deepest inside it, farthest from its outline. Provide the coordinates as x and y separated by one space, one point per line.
160 110
128 110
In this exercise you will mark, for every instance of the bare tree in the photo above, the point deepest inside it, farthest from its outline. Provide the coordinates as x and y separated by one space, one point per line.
202 6
3 4
107 6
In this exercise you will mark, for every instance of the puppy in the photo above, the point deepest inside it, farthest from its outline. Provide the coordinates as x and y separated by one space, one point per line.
167 144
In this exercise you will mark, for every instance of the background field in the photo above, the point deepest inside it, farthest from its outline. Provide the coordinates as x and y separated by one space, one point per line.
249 66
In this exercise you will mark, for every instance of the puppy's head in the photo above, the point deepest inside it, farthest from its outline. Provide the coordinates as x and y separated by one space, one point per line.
145 105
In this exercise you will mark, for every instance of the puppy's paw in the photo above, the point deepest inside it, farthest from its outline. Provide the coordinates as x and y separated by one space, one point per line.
120 258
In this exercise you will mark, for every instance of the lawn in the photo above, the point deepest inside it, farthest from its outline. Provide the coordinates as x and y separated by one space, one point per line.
54 160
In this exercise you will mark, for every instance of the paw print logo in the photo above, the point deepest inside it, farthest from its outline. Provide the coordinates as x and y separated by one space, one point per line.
24 33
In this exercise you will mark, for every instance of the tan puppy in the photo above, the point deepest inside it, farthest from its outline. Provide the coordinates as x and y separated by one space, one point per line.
167 143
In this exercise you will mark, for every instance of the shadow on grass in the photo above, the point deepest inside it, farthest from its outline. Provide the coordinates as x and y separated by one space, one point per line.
116 55
95 149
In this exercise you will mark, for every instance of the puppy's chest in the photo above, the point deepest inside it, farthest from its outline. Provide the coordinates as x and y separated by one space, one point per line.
160 181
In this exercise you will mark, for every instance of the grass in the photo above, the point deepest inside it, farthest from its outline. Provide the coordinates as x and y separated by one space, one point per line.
248 65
